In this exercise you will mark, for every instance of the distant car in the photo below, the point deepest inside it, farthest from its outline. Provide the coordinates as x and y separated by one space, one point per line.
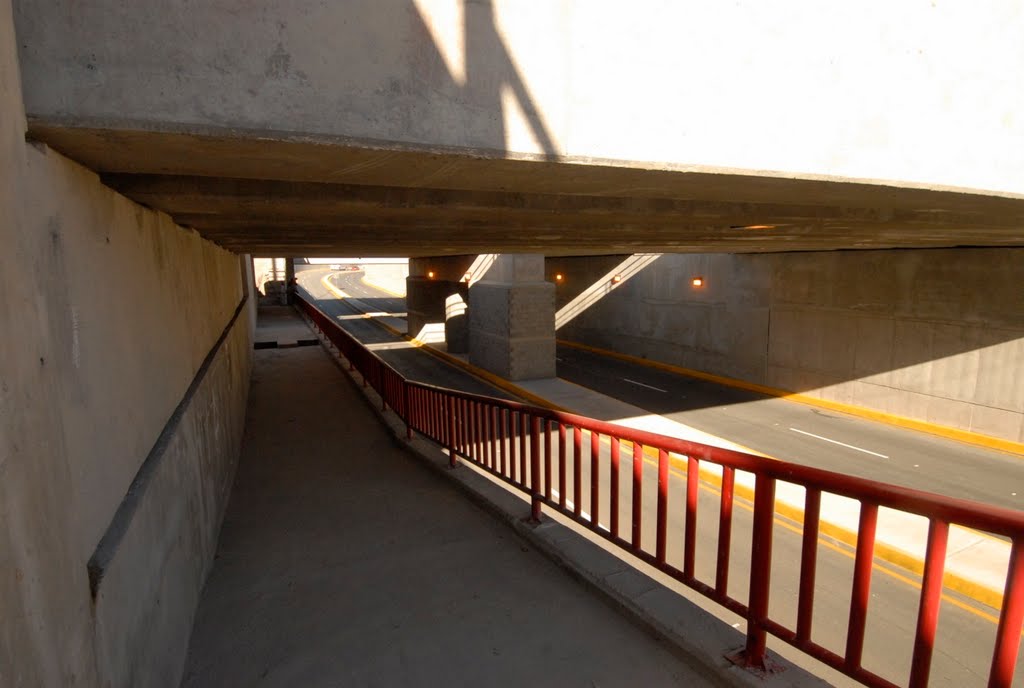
351 268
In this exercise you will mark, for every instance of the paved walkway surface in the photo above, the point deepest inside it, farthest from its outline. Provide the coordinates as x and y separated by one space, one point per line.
343 561
278 325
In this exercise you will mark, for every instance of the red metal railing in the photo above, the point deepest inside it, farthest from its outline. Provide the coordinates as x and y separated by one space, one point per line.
535 449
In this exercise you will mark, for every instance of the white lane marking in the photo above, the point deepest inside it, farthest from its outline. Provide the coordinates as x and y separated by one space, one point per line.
558 359
841 444
656 389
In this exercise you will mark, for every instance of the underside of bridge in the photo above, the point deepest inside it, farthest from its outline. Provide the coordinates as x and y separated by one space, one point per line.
274 193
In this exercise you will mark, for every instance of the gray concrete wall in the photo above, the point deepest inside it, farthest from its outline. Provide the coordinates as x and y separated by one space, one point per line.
425 296
935 335
108 311
894 95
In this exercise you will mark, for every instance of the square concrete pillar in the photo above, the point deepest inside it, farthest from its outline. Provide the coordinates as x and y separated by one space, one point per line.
512 319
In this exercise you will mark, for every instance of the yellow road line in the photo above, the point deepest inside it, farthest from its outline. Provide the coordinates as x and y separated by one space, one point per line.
846 552
966 436
325 280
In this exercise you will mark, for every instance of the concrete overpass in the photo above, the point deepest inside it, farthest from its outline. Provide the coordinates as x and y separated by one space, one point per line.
147 150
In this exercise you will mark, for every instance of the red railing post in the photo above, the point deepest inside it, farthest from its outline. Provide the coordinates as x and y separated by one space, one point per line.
537 498
725 531
931 599
453 459
661 538
407 411
808 564
760 569
637 500
1004 658
595 479
861 585
690 536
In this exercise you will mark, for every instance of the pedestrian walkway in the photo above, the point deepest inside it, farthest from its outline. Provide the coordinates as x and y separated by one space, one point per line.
344 561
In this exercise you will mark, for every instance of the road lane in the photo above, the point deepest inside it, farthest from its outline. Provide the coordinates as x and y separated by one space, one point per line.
804 434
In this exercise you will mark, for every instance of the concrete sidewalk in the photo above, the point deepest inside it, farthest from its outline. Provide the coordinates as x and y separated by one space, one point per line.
344 561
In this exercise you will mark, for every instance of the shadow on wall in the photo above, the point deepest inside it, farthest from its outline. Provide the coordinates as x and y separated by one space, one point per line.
933 334
489 75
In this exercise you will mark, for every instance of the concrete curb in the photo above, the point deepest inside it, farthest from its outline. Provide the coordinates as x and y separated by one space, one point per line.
698 637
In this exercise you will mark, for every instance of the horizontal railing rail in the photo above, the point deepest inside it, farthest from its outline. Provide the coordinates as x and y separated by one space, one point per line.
558 459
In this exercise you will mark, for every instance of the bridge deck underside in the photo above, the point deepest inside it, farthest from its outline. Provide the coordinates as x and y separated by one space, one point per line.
280 193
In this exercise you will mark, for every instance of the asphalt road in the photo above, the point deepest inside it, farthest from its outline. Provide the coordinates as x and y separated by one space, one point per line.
966 629
804 434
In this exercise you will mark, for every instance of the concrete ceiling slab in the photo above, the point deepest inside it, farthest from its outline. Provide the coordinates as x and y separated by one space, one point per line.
274 192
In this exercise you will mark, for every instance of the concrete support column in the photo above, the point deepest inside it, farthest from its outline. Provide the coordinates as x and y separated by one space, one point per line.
512 319
433 289
288 295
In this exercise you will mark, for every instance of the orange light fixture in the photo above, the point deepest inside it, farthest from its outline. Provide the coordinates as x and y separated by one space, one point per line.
559 277
697 281
430 274
616 279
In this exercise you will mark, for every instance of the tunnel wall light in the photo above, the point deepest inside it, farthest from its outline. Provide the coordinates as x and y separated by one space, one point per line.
616 279
697 281
559 277
430 274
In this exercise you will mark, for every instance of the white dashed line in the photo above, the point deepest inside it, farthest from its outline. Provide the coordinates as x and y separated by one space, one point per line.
656 389
841 444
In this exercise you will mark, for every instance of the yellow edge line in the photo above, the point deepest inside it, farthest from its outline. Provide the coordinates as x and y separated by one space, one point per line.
954 582
903 579
331 288
966 436
892 555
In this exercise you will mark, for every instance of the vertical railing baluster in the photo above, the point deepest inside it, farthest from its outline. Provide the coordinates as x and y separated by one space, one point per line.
562 468
547 459
613 486
577 463
535 483
808 564
662 535
725 531
638 476
523 431
453 459
760 569
595 478
931 600
502 449
513 463
861 585
1011 618
690 537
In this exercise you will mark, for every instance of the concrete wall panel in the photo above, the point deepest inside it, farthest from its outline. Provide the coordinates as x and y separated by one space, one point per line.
108 309
936 335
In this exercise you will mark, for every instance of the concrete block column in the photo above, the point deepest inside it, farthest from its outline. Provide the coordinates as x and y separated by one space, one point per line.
512 319
430 284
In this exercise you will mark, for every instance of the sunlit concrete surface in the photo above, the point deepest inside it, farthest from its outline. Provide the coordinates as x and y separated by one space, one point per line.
435 127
